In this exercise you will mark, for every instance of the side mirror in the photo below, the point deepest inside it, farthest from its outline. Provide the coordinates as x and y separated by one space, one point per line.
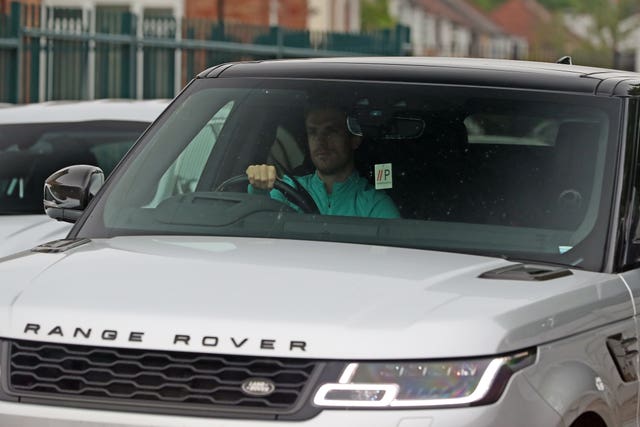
68 191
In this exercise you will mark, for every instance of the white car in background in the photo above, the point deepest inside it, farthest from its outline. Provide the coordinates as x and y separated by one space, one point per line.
38 139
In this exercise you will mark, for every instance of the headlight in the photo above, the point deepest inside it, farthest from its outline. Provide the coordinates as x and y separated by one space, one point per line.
423 384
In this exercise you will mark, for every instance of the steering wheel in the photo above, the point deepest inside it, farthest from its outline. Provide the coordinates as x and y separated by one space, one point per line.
298 196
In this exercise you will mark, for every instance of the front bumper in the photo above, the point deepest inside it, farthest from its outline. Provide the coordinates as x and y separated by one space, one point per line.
520 405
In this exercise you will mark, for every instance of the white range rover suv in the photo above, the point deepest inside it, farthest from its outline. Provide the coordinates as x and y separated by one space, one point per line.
448 243
38 139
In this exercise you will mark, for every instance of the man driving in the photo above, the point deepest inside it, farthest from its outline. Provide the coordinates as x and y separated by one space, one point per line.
335 186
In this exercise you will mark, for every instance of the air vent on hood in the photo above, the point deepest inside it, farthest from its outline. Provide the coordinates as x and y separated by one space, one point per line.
526 272
61 245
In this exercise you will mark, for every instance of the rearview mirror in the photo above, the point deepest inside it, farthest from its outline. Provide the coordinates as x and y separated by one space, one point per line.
68 191
404 128
376 126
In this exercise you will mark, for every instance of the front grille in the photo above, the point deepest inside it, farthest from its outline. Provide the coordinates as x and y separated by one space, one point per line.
154 377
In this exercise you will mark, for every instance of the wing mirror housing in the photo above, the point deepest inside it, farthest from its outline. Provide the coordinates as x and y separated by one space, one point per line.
68 191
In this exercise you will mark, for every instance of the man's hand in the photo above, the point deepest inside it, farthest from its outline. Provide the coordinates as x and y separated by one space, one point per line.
261 176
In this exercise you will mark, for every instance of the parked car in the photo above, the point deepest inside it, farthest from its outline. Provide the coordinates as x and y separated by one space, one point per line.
499 287
38 139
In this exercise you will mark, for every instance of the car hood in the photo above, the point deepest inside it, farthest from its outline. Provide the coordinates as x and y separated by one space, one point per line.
293 298
21 232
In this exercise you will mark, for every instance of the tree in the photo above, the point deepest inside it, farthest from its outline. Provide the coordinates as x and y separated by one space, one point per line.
552 5
607 32
556 4
607 17
374 15
488 5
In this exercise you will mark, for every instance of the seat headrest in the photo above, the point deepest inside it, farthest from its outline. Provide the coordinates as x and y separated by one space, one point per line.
576 134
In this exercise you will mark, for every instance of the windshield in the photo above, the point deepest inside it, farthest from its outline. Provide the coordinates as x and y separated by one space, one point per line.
30 152
512 173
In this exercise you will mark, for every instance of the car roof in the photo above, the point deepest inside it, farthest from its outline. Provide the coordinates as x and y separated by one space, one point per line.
466 71
81 111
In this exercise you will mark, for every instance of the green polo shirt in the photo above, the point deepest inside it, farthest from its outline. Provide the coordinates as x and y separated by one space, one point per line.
353 197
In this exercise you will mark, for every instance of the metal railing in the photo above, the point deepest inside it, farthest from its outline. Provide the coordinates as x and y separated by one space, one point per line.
51 53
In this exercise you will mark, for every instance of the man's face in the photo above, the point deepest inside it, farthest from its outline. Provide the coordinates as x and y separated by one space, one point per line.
330 144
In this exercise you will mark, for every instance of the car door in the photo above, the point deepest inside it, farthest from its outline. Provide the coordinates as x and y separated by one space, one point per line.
624 346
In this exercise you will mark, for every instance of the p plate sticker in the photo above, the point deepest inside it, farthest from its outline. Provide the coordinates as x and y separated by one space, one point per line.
383 176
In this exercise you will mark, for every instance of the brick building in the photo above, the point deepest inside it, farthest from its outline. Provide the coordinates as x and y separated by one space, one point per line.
531 20
285 13
523 17
5 5
334 15
455 28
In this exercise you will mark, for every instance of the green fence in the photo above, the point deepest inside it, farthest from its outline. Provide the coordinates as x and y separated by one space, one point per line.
9 48
64 53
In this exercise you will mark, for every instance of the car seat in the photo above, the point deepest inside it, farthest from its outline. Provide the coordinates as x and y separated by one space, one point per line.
574 167
427 171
